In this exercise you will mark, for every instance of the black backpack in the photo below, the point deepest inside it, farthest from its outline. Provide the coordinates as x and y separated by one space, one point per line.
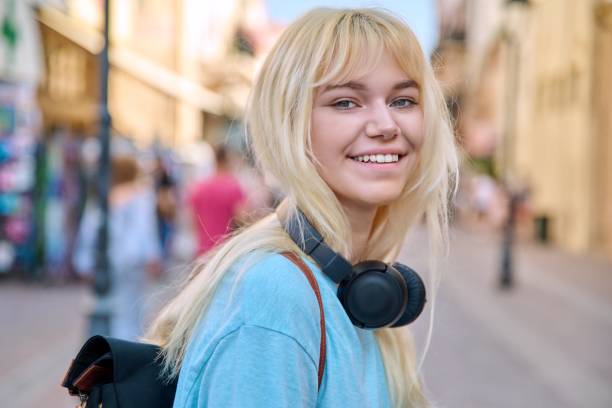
115 373
119 374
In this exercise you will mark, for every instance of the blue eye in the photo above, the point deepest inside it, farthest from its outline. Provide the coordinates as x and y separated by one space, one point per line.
403 103
345 104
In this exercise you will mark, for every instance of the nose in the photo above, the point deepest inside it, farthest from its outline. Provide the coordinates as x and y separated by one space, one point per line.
382 123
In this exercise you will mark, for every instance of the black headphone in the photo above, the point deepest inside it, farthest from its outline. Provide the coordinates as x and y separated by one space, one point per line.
373 293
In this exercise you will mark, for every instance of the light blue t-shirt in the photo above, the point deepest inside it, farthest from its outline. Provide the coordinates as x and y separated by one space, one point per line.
258 346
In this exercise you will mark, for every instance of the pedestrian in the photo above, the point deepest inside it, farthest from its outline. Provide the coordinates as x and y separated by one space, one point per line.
347 116
217 202
134 251
166 205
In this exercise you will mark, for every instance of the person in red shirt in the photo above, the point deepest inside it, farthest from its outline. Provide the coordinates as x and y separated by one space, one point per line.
216 202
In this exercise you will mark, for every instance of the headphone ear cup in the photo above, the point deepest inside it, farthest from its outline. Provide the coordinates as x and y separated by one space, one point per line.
416 295
374 296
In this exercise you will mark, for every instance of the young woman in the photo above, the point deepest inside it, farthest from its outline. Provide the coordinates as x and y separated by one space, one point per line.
346 114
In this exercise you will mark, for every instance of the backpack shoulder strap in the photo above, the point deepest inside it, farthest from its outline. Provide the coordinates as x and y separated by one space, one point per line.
315 287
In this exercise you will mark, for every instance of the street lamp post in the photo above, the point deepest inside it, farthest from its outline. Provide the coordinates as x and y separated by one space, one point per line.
507 266
506 280
100 317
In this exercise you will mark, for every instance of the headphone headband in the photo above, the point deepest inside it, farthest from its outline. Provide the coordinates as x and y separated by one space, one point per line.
312 243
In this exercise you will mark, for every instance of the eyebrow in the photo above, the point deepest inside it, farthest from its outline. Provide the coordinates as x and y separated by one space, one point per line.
359 86
406 84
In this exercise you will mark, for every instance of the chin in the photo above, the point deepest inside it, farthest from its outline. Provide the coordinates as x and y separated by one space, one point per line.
380 199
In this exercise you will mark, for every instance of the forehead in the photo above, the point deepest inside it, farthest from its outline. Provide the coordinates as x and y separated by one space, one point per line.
369 64
386 75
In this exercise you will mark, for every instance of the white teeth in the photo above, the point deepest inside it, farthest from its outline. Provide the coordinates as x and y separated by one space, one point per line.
378 158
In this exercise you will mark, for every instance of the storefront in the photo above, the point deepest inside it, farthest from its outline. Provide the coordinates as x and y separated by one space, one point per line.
19 131
20 124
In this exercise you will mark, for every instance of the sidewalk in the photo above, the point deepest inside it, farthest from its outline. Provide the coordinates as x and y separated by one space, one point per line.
42 327
545 343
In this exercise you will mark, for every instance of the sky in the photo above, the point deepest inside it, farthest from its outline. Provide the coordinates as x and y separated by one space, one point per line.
420 14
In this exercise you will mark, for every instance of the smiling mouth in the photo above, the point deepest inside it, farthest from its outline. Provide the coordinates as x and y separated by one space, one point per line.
378 158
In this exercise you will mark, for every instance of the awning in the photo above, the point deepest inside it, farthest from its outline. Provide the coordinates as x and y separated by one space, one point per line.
166 80
76 31
141 68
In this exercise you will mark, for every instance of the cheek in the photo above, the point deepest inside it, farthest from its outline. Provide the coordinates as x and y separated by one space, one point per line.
414 129
317 136
326 137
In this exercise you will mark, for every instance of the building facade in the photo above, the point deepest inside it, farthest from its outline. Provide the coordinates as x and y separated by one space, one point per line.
537 100
177 68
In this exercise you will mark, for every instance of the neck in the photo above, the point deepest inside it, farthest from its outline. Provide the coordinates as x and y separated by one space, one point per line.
360 220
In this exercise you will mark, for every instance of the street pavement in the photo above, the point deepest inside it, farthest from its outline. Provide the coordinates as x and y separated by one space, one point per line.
41 329
545 343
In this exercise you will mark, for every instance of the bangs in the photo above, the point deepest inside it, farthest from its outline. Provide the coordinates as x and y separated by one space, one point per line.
357 45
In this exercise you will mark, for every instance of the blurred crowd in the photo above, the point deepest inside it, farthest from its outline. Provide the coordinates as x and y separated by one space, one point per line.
162 207
163 210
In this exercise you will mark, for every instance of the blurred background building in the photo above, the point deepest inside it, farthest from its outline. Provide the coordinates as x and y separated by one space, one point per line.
183 87
529 83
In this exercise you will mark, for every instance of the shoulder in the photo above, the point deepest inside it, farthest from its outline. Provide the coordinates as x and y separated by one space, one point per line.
266 291
145 195
273 293
142 202
194 188
229 181
272 279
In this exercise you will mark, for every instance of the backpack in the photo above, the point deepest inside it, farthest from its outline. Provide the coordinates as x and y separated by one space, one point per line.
114 373
118 373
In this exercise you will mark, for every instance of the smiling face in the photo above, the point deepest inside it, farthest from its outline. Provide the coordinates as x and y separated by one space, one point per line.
366 134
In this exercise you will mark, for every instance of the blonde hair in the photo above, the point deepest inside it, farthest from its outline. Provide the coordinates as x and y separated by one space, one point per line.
342 43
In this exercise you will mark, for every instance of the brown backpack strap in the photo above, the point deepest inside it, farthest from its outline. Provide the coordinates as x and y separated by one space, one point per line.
315 287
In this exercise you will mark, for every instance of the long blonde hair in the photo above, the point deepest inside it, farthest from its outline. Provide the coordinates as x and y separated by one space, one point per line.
328 46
